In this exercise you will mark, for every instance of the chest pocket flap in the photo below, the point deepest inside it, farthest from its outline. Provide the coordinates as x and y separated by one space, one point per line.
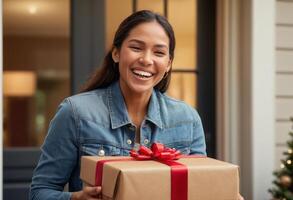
93 149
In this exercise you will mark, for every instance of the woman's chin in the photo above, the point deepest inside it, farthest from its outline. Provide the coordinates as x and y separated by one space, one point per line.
141 89
134 86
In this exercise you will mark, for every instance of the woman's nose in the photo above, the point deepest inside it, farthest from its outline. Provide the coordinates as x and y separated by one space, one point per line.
146 59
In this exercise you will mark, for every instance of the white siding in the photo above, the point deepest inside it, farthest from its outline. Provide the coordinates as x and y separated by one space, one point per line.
284 83
284 61
284 108
284 12
282 130
284 36
284 76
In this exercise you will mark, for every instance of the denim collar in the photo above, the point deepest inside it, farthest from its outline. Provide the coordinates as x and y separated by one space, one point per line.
118 111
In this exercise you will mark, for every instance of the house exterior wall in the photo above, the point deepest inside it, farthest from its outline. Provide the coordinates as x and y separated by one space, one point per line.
284 76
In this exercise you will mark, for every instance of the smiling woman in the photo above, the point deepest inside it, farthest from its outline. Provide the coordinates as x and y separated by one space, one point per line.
123 105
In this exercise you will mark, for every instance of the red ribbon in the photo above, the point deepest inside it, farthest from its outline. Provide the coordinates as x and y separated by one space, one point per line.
165 155
100 166
162 154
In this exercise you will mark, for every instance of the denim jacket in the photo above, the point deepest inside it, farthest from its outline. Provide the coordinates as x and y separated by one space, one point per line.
97 123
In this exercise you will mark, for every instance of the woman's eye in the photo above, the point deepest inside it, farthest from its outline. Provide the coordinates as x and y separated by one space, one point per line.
135 48
160 53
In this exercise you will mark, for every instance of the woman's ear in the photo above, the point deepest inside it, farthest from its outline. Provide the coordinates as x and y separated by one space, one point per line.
169 65
115 55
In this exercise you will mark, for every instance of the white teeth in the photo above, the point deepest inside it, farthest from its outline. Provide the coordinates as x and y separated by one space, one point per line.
142 73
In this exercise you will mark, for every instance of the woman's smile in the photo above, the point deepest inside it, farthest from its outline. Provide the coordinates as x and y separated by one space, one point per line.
142 74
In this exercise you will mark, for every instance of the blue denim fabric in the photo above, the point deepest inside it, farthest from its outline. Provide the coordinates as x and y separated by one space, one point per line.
98 120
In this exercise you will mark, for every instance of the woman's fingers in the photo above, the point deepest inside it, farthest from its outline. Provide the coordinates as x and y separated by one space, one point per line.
98 189
92 191
240 197
88 193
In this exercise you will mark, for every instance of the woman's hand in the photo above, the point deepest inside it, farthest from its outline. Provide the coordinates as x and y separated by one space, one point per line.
94 193
88 193
240 197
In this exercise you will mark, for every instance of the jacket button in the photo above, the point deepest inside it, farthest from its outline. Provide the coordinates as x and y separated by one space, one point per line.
132 128
129 141
146 141
101 152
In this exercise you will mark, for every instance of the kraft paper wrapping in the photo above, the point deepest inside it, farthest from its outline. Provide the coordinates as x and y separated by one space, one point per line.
208 179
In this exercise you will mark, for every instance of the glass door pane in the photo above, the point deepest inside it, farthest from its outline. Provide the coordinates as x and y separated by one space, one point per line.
121 8
153 5
36 67
182 16
183 86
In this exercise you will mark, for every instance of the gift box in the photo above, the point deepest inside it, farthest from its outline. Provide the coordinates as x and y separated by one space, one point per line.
125 178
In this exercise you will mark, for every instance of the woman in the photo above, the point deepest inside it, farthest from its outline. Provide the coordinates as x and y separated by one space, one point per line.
123 104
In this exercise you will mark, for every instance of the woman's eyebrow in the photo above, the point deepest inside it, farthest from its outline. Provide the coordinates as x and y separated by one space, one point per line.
142 42
136 40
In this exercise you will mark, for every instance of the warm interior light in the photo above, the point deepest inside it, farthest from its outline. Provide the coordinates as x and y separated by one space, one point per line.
19 83
32 9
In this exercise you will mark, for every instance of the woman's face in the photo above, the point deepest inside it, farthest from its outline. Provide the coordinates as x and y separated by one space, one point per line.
143 58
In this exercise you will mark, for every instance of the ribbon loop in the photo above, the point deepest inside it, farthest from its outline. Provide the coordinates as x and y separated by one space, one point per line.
145 151
157 152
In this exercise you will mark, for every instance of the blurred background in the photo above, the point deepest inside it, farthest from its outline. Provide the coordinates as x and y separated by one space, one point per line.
233 63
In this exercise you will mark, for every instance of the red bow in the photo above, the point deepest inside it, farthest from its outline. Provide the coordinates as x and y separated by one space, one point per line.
157 152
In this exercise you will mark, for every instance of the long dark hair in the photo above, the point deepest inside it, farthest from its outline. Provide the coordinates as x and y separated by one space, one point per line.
109 72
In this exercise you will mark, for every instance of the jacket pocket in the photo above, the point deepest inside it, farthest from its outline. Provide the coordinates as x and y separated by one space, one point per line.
183 147
93 149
